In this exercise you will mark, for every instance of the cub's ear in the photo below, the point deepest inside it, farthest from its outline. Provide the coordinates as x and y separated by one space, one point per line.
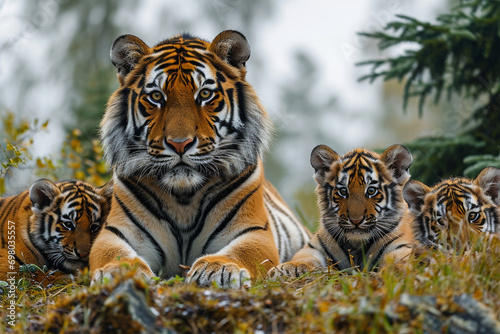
489 181
42 193
322 157
126 52
398 159
232 47
414 194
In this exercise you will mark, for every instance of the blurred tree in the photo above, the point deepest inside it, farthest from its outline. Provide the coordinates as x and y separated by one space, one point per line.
84 57
457 55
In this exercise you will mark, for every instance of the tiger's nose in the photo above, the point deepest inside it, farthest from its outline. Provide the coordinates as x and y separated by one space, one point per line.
357 221
82 255
180 145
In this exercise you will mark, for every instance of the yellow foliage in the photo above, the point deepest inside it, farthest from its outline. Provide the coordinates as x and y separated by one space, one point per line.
78 159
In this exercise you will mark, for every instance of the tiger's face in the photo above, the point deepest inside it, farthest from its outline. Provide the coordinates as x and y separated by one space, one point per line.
360 193
67 217
184 112
453 209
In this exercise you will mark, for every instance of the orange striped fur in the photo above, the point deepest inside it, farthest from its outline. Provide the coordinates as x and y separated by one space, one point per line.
364 221
185 133
446 214
52 224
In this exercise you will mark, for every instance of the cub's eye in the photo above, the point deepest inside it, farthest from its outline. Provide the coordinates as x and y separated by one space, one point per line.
440 221
68 225
205 94
371 191
342 192
156 96
473 216
94 228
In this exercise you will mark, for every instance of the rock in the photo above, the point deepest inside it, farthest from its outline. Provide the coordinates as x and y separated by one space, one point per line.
127 298
477 318
462 315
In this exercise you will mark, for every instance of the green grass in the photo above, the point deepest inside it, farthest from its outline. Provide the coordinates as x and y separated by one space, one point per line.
410 299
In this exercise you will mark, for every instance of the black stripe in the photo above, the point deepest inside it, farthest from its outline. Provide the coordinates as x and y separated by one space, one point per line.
220 77
123 107
381 252
251 229
223 224
275 223
136 222
11 209
241 102
291 218
200 219
18 260
119 234
141 81
151 202
327 251
219 106
311 245
33 247
230 97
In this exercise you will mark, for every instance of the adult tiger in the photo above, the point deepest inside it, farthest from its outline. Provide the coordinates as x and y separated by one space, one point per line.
51 224
458 206
184 134
363 217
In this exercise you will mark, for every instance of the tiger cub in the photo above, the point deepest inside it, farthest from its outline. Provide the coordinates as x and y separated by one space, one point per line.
363 217
185 134
450 211
51 224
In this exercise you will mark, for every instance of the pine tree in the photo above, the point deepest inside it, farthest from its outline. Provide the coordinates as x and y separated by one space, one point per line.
459 56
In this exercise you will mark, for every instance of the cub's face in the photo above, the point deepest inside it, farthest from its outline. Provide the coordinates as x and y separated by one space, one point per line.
360 194
67 218
453 209
183 112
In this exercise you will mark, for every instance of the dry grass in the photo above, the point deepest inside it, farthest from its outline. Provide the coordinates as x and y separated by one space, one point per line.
448 292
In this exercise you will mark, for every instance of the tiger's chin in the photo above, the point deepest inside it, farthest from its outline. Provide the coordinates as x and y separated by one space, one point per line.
182 180
357 235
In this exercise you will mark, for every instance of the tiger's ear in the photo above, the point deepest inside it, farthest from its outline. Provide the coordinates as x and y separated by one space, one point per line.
42 193
414 194
126 52
398 159
232 47
322 157
106 192
489 181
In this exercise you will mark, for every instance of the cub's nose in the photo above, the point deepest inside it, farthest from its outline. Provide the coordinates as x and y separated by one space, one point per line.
180 145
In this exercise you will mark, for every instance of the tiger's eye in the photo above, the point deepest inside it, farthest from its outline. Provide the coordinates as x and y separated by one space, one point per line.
371 191
205 93
473 216
156 95
94 228
68 225
342 192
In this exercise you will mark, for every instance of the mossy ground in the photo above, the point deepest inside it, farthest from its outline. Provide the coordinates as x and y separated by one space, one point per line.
422 297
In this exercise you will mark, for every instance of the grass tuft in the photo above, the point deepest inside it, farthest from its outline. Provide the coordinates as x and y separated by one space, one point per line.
442 292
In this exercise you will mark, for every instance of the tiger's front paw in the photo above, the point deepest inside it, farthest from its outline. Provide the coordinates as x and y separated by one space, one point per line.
106 273
289 269
114 269
227 275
